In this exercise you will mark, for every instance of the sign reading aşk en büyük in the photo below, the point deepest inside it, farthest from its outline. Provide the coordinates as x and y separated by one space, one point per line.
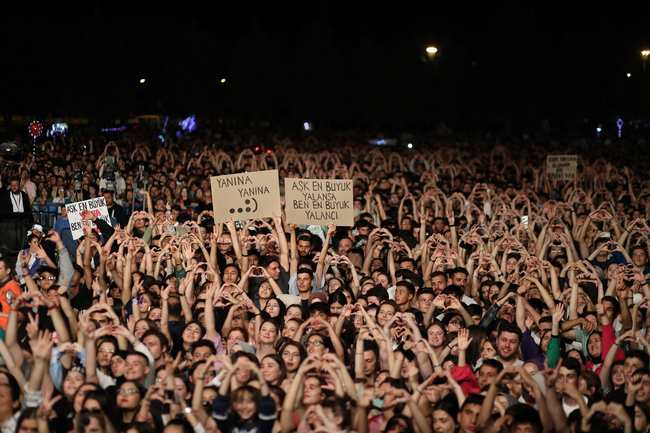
319 201
95 205
244 196
561 167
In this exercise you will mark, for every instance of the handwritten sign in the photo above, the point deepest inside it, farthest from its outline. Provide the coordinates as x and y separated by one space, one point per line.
561 167
95 205
245 196
319 201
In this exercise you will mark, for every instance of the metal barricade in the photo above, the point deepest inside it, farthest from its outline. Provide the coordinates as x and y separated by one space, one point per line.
45 218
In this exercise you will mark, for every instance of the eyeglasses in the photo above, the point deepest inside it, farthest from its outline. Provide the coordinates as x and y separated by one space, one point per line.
125 391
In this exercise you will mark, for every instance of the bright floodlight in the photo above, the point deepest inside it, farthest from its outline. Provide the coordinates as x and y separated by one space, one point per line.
431 50
142 80
645 53
223 81
628 75
410 145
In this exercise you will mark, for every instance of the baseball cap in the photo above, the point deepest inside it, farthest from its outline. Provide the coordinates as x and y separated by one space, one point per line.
363 223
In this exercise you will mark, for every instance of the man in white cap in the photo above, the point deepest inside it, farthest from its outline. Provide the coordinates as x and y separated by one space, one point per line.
36 230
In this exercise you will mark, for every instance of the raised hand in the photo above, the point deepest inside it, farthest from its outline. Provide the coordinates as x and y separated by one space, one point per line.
45 409
464 339
558 313
32 327
42 346
54 236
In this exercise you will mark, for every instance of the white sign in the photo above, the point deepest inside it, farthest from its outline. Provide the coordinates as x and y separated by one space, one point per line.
319 201
561 167
75 210
243 196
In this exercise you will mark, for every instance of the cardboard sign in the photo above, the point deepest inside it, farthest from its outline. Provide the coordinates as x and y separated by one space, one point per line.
319 201
95 205
243 196
561 167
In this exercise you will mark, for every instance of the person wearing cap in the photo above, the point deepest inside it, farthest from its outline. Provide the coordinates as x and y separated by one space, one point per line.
31 259
364 227
37 230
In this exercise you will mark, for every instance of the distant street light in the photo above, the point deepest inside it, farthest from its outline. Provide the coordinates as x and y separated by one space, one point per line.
142 80
628 75
222 81
644 56
431 51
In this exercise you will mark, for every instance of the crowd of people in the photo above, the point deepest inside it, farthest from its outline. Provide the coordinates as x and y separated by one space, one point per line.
473 293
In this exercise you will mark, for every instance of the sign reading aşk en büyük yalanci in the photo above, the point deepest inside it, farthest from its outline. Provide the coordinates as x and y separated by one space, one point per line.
97 206
319 201
562 167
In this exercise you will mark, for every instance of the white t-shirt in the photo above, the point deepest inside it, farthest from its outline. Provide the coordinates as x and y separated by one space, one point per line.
570 408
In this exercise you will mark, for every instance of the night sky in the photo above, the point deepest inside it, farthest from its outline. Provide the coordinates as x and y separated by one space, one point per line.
331 64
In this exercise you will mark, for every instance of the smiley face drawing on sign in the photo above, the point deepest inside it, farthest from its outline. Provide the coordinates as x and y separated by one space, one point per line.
248 202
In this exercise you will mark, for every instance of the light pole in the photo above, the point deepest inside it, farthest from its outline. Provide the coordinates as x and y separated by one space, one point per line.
644 56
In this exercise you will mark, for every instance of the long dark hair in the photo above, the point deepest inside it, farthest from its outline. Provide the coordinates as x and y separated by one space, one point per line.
393 422
478 335
27 413
84 418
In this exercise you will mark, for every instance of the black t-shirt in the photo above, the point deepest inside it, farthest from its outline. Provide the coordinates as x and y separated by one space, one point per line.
83 300
64 416
176 332
254 284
